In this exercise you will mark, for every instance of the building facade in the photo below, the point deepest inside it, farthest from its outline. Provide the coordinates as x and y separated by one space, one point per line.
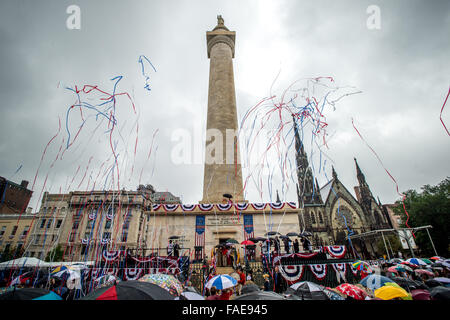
14 229
14 197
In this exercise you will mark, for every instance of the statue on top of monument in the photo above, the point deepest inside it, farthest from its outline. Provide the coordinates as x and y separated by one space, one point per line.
220 20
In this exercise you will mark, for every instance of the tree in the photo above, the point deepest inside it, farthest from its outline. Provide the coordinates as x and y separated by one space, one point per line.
391 240
56 254
429 207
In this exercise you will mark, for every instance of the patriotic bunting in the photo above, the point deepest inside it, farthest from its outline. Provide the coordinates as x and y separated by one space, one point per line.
337 252
205 206
277 206
132 273
170 207
292 273
188 207
224 207
110 255
156 207
259 206
241 206
292 205
319 270
354 269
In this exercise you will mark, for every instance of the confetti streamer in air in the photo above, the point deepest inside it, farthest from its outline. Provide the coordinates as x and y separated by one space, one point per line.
442 109
142 60
396 185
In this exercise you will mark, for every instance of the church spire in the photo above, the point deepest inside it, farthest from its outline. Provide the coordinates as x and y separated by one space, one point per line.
359 174
333 172
278 198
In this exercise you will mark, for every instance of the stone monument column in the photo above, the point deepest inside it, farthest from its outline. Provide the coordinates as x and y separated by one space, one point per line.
223 172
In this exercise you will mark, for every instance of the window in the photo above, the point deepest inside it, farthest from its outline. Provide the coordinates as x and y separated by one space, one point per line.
54 237
58 224
37 239
72 236
14 230
108 224
32 254
320 217
75 225
313 218
25 231
106 235
124 237
49 223
126 223
42 223
2 232
83 249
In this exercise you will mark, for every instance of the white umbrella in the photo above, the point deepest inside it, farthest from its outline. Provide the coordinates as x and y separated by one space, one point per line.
222 281
192 295
307 284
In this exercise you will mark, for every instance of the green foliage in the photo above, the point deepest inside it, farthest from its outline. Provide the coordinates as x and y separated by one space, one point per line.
11 253
429 207
55 255
396 245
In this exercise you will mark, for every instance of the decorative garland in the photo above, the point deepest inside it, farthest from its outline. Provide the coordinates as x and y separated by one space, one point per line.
354 269
241 206
110 255
170 207
259 206
339 269
105 241
319 270
337 252
188 207
205 206
292 273
277 206
85 241
292 205
224 207
156 207
110 216
132 273
92 215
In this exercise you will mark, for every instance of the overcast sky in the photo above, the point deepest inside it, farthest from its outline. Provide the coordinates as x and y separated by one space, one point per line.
401 69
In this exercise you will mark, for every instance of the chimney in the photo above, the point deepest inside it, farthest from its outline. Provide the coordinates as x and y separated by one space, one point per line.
24 184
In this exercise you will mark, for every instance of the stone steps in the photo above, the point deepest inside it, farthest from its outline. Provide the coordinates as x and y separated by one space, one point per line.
224 270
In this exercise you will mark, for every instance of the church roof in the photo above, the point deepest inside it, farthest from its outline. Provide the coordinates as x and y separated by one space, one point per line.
325 190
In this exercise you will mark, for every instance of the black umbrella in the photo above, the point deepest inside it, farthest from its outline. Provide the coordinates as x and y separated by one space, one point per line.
257 239
409 284
431 283
440 293
271 233
130 290
261 295
251 287
174 237
292 234
308 291
284 237
305 234
24 294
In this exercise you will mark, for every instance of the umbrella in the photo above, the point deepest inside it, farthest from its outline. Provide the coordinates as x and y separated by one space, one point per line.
362 266
436 258
292 234
420 294
395 260
106 279
260 295
49 296
427 261
232 241
352 291
247 243
251 287
433 283
189 295
443 280
271 233
24 294
440 293
422 271
174 237
309 290
305 234
416 261
333 294
408 284
221 281
374 281
130 290
390 292
257 239
399 267
22 279
166 281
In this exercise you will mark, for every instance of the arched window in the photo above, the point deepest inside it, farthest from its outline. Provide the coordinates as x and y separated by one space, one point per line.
320 217
313 218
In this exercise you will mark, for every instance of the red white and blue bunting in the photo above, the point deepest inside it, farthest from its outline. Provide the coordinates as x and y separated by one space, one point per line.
259 206
205 206
241 206
170 207
156 207
340 269
188 207
85 241
110 216
354 269
319 270
292 273
277 206
92 215
110 255
337 252
224 207
292 205
132 273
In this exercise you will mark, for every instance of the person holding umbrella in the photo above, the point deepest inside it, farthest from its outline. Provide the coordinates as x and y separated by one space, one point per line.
296 246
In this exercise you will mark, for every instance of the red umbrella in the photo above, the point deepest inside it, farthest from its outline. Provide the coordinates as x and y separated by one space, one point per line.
352 291
420 294
247 243
422 271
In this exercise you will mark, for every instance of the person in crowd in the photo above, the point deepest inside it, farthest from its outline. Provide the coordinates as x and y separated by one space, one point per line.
226 294
277 245
224 256
286 245
249 276
170 248
296 246
176 249
266 282
213 294
280 283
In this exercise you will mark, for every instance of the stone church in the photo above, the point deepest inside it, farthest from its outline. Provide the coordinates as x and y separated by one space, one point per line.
331 212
